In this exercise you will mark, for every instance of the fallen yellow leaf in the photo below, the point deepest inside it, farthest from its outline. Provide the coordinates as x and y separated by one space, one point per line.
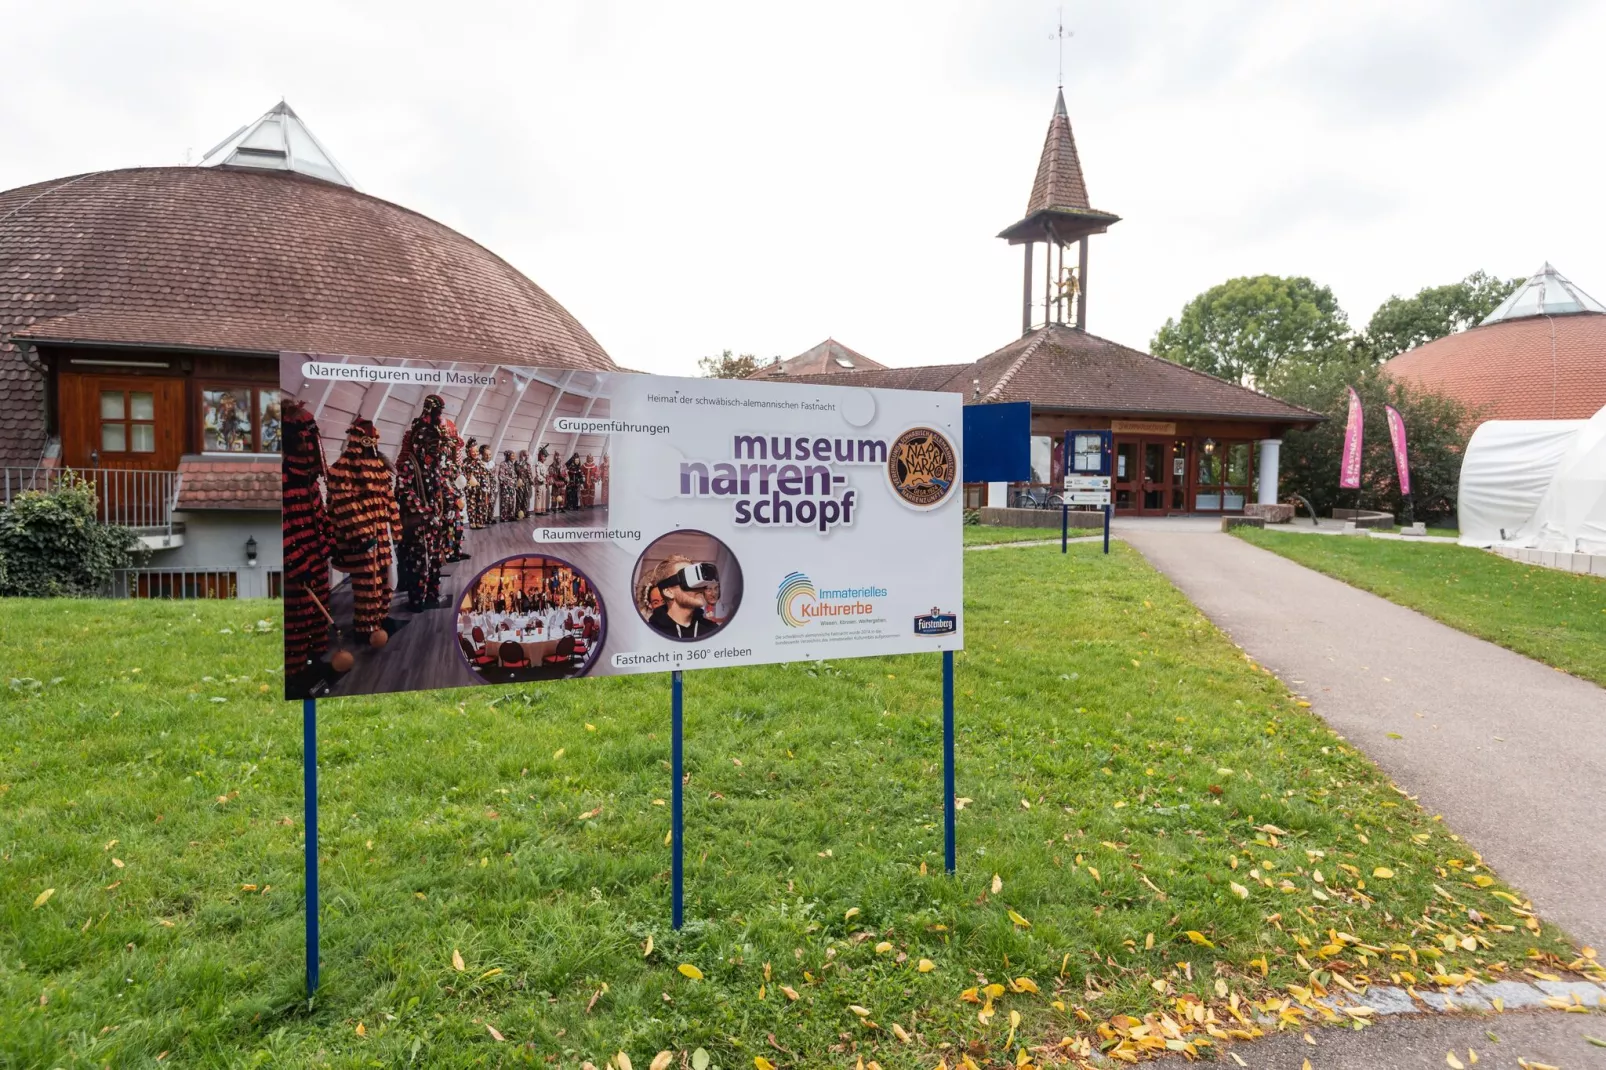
926 966
457 961
491 1029
1026 984
850 913
1199 938
43 897
1453 1062
361 1030
645 951
1383 873
1239 890
1018 920
761 1063
862 1012
901 1033
661 1061
998 884
622 1061
791 993
688 970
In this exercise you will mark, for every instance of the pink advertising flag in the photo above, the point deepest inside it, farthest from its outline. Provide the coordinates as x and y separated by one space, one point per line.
1349 475
1402 462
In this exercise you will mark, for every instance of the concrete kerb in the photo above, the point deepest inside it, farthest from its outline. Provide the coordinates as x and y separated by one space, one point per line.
1476 996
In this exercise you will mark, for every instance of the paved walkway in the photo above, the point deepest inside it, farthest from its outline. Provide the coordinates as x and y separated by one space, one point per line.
1511 752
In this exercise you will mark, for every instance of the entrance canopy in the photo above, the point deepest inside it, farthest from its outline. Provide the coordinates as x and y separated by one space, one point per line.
1536 484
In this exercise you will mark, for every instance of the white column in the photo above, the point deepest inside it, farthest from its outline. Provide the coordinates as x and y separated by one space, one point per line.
997 495
1270 449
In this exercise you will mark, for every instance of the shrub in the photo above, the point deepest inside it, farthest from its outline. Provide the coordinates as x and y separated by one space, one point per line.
52 545
1437 428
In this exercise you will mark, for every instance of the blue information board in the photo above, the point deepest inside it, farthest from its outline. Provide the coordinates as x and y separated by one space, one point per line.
1088 453
998 443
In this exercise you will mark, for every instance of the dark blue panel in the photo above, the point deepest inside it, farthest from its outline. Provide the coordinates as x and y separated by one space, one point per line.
998 443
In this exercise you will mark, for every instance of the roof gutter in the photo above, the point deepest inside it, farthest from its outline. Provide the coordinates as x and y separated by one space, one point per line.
1298 416
142 347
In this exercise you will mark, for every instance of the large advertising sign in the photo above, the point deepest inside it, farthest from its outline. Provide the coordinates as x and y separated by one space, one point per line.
456 524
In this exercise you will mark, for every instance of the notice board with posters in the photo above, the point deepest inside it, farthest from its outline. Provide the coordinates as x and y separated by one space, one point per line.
456 524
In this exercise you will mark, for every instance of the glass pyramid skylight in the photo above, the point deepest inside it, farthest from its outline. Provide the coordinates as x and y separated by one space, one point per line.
278 141
1548 293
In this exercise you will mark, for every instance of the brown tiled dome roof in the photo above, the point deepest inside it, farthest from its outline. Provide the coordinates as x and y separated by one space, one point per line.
253 261
1533 368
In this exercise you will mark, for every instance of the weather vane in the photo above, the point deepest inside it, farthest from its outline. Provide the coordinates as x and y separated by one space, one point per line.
1059 35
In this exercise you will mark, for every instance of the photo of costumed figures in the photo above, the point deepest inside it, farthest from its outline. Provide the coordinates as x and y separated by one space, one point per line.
380 538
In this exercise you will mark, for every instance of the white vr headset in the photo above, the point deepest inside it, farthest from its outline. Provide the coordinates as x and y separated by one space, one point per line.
691 577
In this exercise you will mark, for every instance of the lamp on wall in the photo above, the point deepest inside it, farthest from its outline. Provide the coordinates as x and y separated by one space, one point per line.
1210 447
251 551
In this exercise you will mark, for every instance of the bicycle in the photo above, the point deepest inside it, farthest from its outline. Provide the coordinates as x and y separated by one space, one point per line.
1034 498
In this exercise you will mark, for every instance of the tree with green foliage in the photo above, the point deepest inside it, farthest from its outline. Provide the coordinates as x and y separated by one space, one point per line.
729 366
1246 328
1402 323
1436 427
53 545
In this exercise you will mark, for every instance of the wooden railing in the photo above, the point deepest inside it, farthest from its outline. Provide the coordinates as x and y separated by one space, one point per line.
127 497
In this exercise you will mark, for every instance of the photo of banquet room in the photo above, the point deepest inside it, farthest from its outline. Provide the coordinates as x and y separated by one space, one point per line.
530 618
454 476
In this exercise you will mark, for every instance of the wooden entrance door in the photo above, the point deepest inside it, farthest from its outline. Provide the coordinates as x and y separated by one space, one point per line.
125 424
1145 481
1154 476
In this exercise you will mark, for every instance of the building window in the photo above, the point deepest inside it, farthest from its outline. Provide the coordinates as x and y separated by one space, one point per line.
1208 496
239 419
1224 477
275 583
1236 488
127 421
1042 459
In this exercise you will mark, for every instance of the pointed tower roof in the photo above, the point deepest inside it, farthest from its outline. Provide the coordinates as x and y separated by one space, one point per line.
278 141
1547 293
1059 192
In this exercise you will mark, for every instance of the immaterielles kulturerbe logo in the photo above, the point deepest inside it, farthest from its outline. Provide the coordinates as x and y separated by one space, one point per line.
797 602
922 466
794 587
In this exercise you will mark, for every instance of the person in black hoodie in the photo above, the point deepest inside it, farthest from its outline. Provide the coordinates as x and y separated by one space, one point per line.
684 613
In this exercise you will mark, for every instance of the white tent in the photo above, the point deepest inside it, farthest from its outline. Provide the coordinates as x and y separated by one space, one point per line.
1536 484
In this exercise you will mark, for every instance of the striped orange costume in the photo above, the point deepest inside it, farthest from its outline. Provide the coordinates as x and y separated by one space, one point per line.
367 524
308 541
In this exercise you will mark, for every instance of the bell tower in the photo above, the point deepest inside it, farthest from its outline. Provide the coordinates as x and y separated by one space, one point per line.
1057 215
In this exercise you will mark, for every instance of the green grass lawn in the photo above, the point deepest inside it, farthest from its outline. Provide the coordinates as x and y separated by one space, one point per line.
981 535
1147 819
1558 618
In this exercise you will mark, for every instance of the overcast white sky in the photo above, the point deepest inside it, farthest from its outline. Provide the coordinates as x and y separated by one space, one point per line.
691 177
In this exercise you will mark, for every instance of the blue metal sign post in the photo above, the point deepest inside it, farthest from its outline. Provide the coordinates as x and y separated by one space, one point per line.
677 824
309 791
948 760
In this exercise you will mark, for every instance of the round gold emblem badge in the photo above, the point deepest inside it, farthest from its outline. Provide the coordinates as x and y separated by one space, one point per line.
922 466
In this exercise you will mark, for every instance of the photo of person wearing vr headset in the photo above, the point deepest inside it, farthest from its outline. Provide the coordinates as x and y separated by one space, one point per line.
688 585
